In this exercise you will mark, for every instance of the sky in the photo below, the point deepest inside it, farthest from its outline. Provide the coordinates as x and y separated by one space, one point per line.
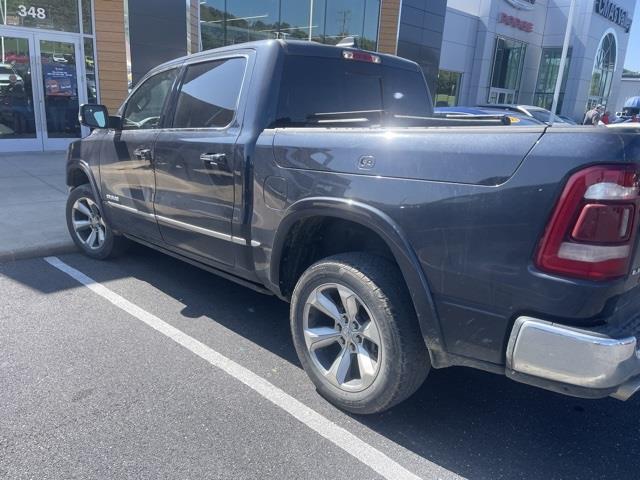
632 61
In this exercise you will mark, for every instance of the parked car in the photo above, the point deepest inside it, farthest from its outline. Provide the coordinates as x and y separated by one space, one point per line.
316 173
566 119
6 70
516 118
539 113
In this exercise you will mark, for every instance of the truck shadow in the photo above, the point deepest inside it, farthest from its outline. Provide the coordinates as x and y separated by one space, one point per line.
473 423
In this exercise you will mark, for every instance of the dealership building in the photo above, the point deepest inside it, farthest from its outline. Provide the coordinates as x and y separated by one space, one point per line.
508 51
58 54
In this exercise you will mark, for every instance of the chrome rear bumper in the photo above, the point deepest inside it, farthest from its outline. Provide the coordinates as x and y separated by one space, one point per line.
569 356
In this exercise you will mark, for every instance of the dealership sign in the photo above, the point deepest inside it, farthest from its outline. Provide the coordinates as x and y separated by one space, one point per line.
522 4
613 12
515 22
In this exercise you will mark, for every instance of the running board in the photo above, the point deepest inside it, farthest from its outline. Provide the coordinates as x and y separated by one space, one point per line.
227 276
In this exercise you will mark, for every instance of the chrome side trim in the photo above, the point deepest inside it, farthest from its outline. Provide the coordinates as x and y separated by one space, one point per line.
186 226
205 231
570 355
130 210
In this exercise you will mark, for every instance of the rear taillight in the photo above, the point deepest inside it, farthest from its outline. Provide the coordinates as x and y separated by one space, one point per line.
593 228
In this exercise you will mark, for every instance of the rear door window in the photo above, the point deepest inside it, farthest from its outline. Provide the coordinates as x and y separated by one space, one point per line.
318 91
209 94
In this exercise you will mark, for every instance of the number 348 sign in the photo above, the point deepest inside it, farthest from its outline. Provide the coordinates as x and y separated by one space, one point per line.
31 11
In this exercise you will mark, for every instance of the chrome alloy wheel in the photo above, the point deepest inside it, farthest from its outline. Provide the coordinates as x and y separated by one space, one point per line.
342 337
88 224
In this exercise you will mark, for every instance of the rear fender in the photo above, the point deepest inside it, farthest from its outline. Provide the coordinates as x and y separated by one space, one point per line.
392 235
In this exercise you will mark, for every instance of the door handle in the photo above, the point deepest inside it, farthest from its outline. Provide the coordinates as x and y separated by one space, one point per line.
212 160
142 154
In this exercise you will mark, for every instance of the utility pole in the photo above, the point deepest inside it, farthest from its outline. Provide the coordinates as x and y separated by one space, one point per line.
563 61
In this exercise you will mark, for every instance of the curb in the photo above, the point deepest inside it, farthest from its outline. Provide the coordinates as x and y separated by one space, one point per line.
59 248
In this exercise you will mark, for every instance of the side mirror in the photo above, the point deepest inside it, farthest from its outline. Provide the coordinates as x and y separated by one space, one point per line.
94 116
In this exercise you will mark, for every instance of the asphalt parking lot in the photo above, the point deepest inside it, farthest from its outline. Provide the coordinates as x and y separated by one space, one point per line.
90 390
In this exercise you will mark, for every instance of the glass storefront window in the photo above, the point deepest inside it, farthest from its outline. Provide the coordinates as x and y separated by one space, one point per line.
447 88
547 77
90 70
603 69
508 61
249 21
87 18
343 18
60 87
212 28
327 21
17 119
294 20
59 15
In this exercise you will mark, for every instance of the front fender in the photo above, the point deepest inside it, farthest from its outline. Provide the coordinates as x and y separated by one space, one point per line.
79 164
392 235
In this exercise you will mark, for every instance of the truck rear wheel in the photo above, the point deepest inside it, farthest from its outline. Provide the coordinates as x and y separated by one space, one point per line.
356 333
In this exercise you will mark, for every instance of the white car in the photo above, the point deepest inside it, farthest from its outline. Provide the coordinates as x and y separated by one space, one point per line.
6 70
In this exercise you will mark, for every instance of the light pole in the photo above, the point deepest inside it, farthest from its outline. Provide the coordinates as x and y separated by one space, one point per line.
310 19
563 60
4 22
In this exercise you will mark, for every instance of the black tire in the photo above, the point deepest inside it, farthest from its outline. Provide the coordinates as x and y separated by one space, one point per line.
404 359
112 245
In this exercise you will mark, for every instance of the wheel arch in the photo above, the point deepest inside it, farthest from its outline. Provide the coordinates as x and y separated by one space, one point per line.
393 237
79 169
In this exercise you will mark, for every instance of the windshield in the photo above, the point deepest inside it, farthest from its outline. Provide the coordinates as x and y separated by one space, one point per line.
318 91
6 70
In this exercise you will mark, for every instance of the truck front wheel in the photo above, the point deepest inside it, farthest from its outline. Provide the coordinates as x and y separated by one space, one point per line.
356 333
87 226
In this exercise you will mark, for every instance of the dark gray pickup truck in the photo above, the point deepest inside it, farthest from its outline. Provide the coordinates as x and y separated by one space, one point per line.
403 242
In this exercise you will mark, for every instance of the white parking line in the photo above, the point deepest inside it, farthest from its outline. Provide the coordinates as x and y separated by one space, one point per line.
348 442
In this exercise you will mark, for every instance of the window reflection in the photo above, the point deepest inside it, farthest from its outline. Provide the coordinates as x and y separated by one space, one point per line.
60 82
603 70
90 69
447 88
87 19
327 21
547 76
16 96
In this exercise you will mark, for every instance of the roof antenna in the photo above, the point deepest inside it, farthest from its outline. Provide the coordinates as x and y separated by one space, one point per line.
348 42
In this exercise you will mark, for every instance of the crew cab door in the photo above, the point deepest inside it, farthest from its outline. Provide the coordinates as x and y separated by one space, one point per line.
194 160
126 160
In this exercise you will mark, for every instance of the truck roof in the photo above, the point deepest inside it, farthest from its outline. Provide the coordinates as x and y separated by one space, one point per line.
292 47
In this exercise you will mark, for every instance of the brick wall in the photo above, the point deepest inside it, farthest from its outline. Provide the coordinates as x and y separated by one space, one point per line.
194 16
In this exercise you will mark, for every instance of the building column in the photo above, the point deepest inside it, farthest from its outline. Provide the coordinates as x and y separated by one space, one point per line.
111 58
388 27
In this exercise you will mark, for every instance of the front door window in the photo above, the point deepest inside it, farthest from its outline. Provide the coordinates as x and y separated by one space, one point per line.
145 105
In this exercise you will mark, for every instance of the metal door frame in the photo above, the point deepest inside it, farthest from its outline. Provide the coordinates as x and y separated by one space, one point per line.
41 142
505 91
60 143
26 144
